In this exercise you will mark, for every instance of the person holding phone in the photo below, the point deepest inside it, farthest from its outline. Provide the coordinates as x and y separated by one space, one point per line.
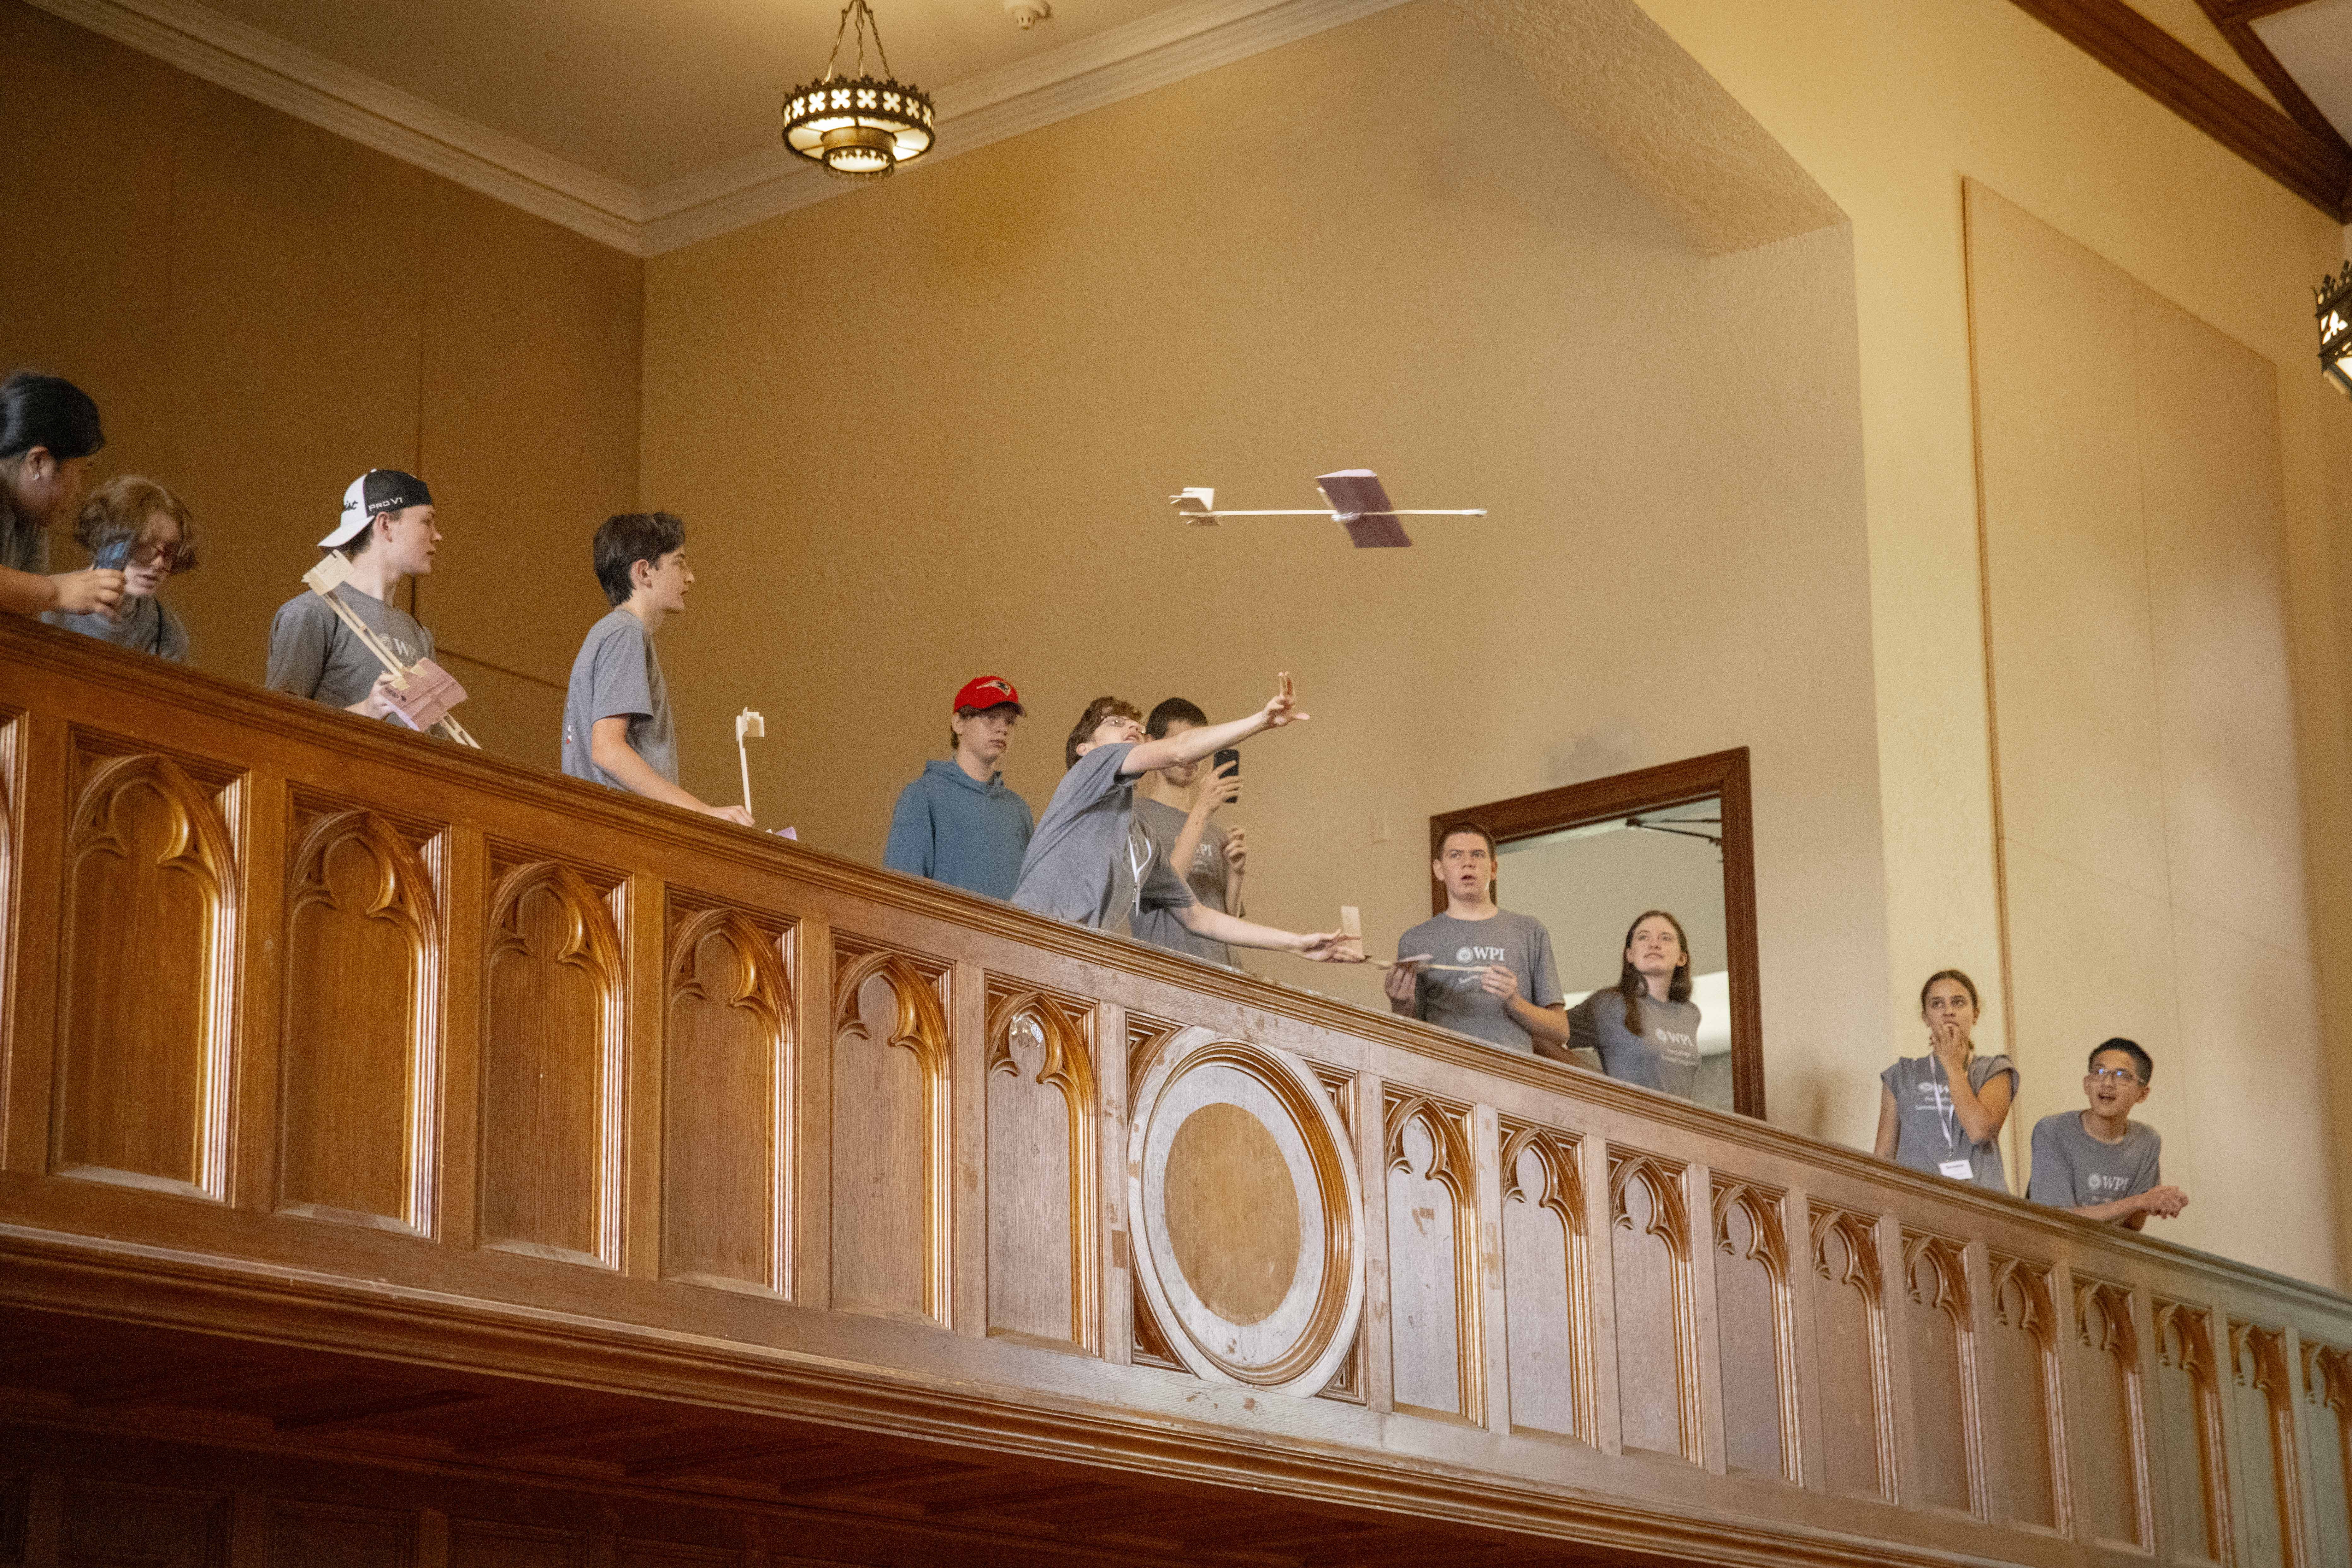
1175 816
138 528
1084 863
49 433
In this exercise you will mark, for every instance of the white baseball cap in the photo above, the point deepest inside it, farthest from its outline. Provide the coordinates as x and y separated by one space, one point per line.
377 490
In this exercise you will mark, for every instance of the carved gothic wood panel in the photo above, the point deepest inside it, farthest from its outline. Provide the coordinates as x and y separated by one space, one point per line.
302 1535
1940 1336
727 1106
2327 1417
359 1064
1042 1255
146 965
2111 1442
892 1149
2186 1411
1434 1316
142 1527
1849 1310
1546 1283
2264 1468
552 1069
1756 1314
2021 1416
477 1543
1650 1258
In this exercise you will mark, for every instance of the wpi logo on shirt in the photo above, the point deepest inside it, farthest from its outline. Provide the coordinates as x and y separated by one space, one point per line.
1477 955
2100 1183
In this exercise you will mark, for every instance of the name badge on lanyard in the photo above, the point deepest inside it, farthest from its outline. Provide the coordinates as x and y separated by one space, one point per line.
1959 1170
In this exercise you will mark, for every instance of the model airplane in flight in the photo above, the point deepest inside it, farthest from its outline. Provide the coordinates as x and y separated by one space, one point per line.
1356 503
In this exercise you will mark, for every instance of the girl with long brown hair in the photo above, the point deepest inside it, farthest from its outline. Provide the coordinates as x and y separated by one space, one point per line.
1645 1029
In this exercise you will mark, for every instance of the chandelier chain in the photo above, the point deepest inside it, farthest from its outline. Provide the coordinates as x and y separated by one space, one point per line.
867 21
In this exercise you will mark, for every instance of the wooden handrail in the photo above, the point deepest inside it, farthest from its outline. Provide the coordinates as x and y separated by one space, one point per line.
323 1035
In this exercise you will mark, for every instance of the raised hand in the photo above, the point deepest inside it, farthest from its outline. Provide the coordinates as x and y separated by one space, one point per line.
1400 982
1284 708
1236 852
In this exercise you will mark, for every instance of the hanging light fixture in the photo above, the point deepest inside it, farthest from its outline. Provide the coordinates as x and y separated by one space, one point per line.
859 127
2334 296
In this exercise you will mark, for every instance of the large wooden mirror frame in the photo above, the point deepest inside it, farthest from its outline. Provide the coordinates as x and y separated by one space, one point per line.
1723 774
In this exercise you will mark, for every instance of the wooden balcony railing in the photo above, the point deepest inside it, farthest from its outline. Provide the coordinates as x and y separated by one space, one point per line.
335 1038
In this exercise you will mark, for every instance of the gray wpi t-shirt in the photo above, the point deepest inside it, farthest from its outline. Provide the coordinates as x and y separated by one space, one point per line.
1927 1131
1457 1002
312 654
1158 924
617 675
2073 1170
1663 1055
1085 862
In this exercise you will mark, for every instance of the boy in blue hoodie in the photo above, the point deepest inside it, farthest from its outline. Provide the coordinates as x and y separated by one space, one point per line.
957 823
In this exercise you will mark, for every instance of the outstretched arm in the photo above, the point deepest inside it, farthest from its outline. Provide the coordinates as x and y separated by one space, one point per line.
1191 745
1321 947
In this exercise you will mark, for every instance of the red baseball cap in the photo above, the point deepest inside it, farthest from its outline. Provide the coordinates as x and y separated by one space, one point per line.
987 692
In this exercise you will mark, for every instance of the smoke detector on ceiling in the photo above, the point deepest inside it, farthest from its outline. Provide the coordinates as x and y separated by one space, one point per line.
1028 13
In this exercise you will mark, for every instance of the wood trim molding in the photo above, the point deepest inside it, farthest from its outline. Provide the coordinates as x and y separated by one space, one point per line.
1719 774
2235 19
1151 52
2316 168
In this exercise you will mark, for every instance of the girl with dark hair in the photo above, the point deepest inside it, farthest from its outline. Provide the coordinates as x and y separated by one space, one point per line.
144 530
1645 1028
1942 1114
48 433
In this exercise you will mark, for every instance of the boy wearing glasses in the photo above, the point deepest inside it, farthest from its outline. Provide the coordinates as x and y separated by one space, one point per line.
2099 1162
1089 863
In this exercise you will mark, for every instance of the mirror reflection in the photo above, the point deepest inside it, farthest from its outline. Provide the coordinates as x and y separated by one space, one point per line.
1589 883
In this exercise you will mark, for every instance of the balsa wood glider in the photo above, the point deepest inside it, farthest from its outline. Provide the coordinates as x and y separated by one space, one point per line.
1355 502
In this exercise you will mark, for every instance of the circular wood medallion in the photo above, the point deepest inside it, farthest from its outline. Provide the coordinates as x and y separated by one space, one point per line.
1232 1213
1247 1220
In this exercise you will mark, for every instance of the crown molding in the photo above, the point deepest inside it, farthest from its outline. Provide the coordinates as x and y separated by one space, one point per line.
1154 51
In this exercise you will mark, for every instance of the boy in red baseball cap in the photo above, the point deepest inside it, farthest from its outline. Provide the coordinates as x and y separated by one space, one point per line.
957 823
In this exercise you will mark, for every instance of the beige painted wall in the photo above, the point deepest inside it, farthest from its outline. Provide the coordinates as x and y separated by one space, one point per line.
2151 830
1890 104
263 311
929 430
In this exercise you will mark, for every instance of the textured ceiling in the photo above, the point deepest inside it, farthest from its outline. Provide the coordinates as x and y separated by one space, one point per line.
645 91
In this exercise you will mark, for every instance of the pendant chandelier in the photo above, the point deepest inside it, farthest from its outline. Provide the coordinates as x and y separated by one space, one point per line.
2335 297
859 127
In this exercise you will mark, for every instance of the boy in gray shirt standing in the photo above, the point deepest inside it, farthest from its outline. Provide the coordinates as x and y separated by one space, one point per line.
2099 1162
1498 984
616 722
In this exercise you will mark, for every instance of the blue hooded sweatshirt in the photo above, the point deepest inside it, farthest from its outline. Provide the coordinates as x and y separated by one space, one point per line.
953 829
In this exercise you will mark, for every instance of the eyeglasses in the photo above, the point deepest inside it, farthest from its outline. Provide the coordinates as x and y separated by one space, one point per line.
2115 1076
